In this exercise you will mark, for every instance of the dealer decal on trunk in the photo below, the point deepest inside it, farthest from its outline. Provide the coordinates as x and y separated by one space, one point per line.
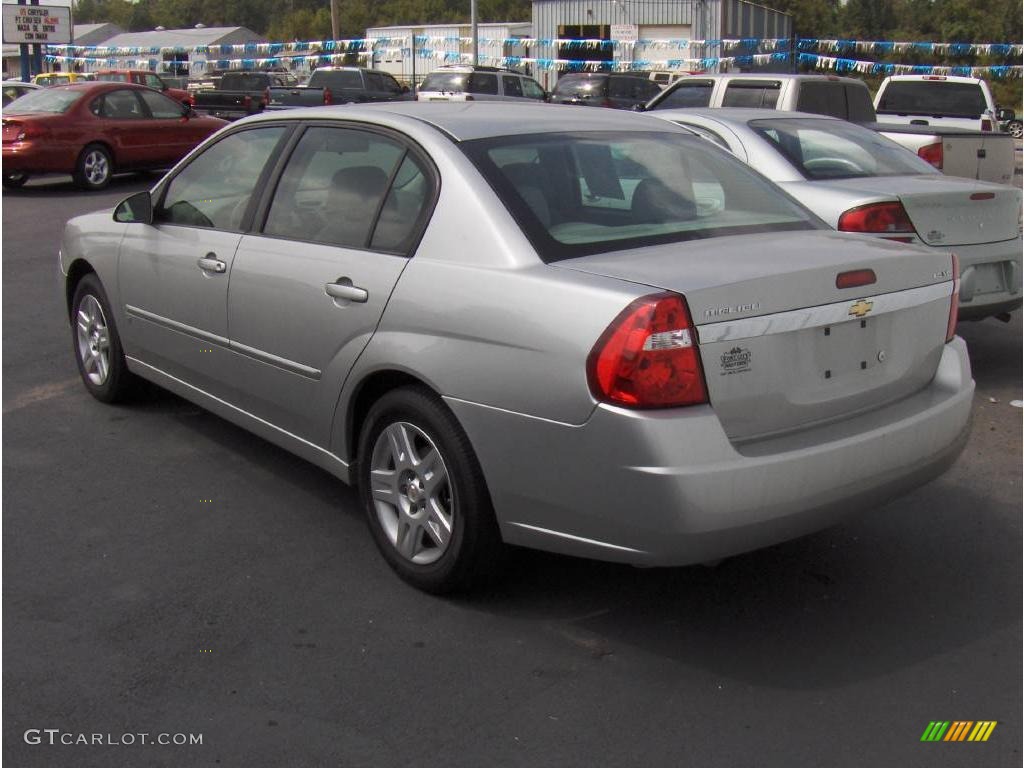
736 360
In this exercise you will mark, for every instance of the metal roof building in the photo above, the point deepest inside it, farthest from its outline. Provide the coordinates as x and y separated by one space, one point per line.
633 21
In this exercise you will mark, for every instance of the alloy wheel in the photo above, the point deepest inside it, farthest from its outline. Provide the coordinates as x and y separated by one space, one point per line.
411 493
93 340
96 167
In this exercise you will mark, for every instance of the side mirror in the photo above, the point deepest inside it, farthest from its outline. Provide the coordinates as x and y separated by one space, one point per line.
1005 115
639 107
186 110
137 209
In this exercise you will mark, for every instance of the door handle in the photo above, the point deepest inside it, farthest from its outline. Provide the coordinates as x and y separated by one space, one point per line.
343 289
210 263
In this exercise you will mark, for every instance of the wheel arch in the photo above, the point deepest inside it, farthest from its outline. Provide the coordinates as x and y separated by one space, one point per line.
100 143
365 393
79 268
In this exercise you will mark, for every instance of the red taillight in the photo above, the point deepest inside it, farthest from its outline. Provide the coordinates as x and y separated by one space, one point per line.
247 101
856 278
30 130
469 97
986 124
327 96
647 357
880 218
606 102
954 300
266 97
932 153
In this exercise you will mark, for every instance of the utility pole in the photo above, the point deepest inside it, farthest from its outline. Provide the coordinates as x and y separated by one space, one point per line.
335 22
473 30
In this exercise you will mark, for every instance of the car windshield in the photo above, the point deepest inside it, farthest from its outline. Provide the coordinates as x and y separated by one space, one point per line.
576 194
835 149
932 97
54 101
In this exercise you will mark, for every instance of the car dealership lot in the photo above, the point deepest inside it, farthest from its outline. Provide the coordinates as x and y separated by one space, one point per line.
168 572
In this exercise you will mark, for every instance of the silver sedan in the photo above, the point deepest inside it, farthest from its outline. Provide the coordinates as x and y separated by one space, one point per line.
860 181
584 331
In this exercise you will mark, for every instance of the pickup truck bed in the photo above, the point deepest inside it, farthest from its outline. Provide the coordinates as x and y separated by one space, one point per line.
983 155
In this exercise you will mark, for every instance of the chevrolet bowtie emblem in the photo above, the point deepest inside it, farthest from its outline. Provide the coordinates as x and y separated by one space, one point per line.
861 307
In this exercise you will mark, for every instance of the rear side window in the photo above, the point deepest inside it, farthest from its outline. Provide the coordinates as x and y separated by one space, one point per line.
687 94
858 104
511 85
333 186
760 94
932 97
822 98
483 82
121 105
214 190
404 208
532 89
636 88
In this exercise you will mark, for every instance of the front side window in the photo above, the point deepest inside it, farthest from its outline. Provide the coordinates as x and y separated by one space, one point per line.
532 89
215 188
333 187
834 149
687 94
751 94
161 107
576 194
154 82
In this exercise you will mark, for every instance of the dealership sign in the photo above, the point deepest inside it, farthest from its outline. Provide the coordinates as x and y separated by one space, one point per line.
40 24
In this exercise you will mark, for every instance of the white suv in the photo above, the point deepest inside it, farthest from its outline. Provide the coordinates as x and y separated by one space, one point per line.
466 83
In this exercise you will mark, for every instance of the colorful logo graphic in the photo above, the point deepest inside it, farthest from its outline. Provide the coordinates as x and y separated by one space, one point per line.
958 730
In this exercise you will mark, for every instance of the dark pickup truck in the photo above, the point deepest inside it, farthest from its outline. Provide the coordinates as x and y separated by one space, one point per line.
339 85
240 94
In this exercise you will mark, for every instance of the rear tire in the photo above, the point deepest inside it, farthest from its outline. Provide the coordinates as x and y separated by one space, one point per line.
14 179
94 168
97 345
424 493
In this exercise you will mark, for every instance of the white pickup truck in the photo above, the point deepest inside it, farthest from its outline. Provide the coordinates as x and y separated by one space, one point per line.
956 151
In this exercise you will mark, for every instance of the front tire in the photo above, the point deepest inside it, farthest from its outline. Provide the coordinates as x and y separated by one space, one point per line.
1016 129
97 344
94 168
425 497
14 179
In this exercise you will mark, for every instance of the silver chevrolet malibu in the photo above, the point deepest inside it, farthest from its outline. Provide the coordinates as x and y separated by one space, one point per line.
584 331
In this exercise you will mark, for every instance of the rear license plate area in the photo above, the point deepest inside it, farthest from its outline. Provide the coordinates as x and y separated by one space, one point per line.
847 349
989 278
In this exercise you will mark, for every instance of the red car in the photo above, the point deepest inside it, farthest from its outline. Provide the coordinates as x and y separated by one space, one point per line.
144 77
93 130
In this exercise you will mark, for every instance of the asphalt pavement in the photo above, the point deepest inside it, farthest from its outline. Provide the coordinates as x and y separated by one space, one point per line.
165 572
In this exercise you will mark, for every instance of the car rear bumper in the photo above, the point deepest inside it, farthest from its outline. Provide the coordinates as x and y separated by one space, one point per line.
990 278
37 157
669 488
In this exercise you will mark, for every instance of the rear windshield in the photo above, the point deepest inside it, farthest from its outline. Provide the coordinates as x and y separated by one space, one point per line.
338 79
932 97
575 194
49 101
833 149
461 82
581 86
113 77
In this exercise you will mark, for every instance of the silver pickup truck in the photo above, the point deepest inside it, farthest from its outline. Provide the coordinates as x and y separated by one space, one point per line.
988 156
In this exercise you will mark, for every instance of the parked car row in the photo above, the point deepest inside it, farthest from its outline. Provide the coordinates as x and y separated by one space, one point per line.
585 331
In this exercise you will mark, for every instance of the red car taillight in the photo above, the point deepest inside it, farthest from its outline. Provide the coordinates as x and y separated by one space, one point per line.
878 218
266 97
954 301
30 131
647 357
986 124
328 97
932 153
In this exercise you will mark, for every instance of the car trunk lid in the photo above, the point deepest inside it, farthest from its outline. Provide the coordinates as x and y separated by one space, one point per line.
947 212
782 347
